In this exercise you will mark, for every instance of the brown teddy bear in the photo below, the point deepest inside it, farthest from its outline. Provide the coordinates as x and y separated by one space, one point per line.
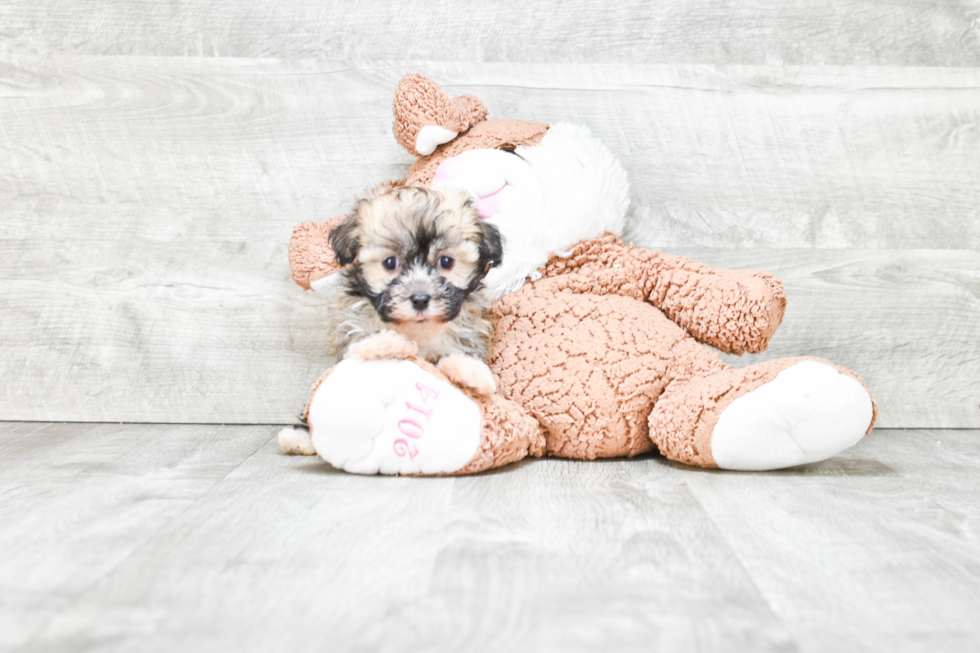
598 347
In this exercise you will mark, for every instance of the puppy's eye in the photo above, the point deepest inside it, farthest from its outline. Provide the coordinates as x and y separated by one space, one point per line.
390 263
446 262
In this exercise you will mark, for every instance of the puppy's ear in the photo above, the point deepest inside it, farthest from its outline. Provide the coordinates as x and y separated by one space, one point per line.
491 245
345 241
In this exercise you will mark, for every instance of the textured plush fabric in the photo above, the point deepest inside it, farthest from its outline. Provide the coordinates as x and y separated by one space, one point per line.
588 349
682 421
310 255
509 433
736 311
684 418
589 365
602 356
420 102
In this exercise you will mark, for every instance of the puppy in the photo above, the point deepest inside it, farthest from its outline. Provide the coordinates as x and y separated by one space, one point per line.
414 260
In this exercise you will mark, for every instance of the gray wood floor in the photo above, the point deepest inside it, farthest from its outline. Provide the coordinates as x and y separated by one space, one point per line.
154 157
206 538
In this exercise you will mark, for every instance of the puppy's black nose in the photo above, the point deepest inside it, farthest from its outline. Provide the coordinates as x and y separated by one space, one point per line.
420 301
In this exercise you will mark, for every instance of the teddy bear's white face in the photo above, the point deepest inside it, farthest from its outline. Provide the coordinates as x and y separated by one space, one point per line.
543 199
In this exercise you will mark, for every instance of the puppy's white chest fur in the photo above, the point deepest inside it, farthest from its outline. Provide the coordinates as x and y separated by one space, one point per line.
434 339
353 318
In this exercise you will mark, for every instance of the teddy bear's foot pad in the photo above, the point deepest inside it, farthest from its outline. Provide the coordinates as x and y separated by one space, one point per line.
809 412
392 417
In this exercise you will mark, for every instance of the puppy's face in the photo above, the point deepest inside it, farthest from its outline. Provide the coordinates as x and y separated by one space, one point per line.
416 253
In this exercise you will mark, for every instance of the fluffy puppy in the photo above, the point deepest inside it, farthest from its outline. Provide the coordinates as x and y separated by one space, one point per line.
414 260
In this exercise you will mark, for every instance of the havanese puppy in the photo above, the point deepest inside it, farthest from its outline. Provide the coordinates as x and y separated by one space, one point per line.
414 260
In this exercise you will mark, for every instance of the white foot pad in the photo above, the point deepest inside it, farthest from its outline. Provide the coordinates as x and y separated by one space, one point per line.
392 417
809 412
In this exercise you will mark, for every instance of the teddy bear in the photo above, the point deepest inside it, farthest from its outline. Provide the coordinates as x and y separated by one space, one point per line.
600 349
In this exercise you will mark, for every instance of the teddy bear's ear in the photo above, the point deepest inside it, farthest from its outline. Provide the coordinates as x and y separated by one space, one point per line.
425 117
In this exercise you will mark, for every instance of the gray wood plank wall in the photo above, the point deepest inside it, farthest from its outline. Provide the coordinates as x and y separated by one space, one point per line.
790 32
155 158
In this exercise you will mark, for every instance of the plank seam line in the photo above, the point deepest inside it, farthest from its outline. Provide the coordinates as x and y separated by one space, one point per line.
741 565
150 538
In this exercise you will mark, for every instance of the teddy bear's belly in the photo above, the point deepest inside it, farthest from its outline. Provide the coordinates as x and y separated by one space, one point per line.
589 368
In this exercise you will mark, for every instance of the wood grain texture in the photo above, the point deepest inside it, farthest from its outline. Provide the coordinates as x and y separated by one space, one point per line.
861 32
79 499
854 553
876 548
717 157
158 332
148 203
147 340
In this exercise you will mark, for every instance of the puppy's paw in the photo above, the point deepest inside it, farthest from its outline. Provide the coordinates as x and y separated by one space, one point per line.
296 441
381 346
469 372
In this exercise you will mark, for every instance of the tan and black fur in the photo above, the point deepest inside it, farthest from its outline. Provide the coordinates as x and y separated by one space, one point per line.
414 260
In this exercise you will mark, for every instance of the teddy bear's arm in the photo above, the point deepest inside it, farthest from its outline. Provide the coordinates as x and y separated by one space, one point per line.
311 257
736 311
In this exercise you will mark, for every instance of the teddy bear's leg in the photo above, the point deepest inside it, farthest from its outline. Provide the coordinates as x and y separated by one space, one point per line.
403 417
735 311
392 417
770 415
